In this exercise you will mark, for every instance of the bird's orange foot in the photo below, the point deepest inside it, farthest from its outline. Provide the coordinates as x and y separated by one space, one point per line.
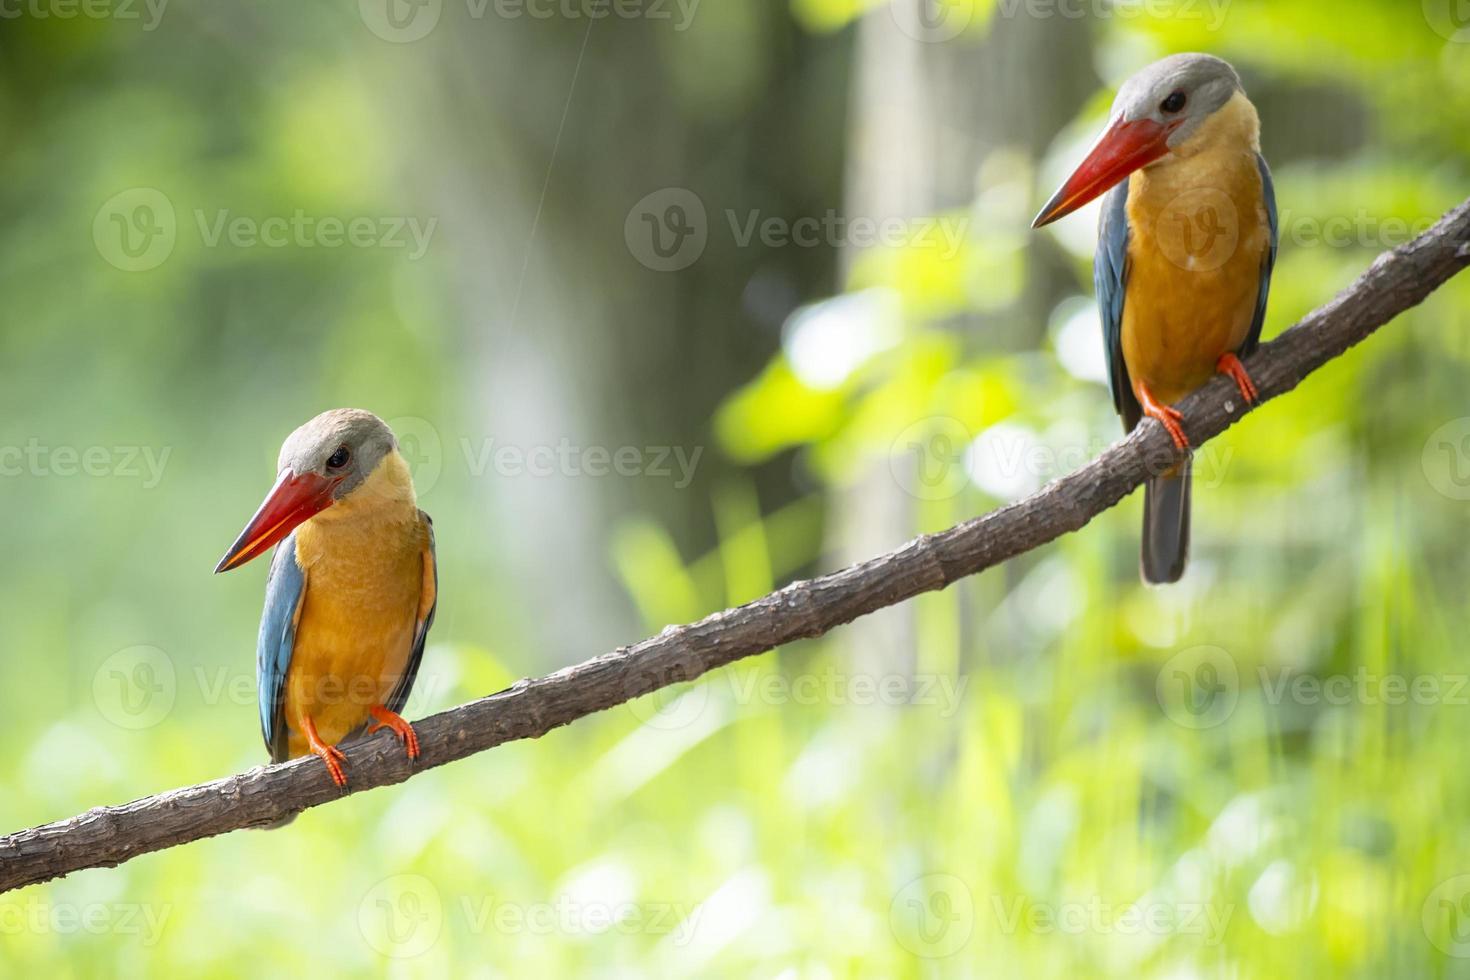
383 718
1169 418
329 754
1230 364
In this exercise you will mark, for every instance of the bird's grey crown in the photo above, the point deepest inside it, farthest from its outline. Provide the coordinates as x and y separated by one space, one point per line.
367 438
1206 81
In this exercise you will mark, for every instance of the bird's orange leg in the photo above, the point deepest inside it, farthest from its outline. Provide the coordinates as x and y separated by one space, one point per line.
330 754
1230 364
383 718
1168 417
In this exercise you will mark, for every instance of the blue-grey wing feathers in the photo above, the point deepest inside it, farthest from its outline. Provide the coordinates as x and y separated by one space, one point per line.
1109 278
284 589
1268 263
401 690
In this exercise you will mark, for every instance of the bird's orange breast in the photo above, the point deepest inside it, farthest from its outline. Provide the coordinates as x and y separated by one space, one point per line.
364 581
1198 232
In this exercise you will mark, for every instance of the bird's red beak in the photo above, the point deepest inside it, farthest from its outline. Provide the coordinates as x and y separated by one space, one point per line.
292 500
1126 146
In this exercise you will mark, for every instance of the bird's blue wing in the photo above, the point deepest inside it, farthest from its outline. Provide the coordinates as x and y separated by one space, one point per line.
284 590
426 619
1109 279
1268 263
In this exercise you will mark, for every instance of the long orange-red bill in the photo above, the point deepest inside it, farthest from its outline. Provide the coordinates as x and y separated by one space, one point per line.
1123 148
292 500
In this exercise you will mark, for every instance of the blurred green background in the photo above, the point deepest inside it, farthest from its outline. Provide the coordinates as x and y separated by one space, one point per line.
671 303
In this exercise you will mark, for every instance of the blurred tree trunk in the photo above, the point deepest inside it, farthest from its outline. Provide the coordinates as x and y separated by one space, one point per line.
925 117
566 334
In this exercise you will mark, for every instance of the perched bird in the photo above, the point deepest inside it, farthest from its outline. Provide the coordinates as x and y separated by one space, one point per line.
1186 245
351 593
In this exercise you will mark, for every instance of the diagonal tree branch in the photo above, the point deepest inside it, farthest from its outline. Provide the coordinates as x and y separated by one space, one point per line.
108 836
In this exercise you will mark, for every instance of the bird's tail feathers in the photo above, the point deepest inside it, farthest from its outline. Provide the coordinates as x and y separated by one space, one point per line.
1165 526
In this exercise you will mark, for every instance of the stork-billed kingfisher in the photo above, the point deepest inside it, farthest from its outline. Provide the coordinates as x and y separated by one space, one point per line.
1186 245
351 592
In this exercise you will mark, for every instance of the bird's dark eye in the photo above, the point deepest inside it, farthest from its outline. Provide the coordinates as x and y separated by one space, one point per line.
338 459
1173 103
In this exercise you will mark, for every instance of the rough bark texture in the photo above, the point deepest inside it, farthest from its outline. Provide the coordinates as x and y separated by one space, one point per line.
107 836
